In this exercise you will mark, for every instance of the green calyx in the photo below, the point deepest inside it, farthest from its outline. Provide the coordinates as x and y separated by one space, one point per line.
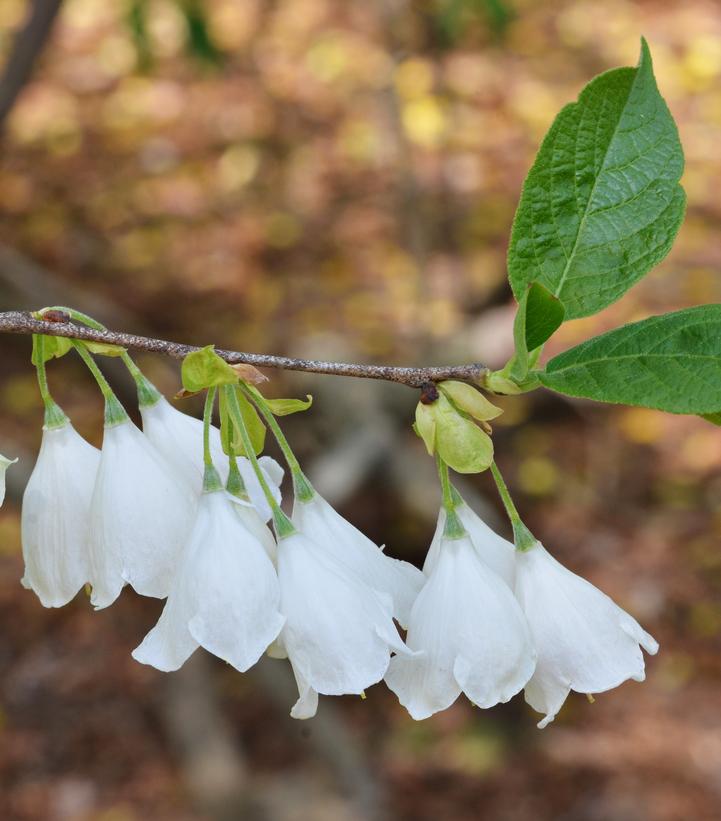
282 524
302 488
235 484
115 413
55 417
211 480
453 528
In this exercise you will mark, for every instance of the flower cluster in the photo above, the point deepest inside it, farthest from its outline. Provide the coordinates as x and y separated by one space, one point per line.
176 512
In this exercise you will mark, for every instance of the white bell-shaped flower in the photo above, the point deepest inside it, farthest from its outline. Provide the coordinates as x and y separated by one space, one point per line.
253 521
225 595
139 517
55 516
495 551
179 438
584 640
364 559
4 465
470 636
339 633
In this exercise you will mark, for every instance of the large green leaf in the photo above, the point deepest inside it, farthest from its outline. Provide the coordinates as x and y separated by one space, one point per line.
602 204
670 362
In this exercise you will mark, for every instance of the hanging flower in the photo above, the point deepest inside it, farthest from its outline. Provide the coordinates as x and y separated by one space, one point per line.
4 465
253 522
179 438
339 633
585 642
225 596
493 550
470 636
400 580
55 514
139 517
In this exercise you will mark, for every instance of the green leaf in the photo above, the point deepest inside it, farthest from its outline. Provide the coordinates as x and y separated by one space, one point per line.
539 316
204 369
602 203
284 407
53 346
670 362
469 400
544 315
713 418
461 444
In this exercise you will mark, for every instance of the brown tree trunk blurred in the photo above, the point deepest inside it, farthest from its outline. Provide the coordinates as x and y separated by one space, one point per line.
29 43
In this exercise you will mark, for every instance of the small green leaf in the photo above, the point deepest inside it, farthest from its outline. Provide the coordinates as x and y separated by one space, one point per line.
538 316
204 369
53 346
425 426
670 362
470 400
284 407
544 315
713 418
602 203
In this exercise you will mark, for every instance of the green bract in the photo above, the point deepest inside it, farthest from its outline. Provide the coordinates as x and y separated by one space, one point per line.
229 436
53 346
104 348
459 442
205 369
284 407
602 203
468 399
670 362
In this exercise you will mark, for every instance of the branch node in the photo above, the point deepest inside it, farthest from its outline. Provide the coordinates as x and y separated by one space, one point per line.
429 393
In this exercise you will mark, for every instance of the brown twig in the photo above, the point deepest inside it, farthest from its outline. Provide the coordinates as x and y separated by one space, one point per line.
22 322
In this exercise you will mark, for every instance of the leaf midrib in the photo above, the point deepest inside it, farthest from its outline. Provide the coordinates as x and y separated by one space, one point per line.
582 223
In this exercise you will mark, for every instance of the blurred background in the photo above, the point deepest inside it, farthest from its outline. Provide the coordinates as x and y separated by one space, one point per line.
338 180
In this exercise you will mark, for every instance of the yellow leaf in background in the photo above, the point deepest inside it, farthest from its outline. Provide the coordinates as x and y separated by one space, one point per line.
424 121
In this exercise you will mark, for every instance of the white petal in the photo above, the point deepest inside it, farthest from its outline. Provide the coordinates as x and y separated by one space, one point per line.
425 684
585 642
400 580
236 587
55 511
4 465
140 516
496 552
270 469
179 438
471 632
225 596
307 704
334 622
252 520
170 643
